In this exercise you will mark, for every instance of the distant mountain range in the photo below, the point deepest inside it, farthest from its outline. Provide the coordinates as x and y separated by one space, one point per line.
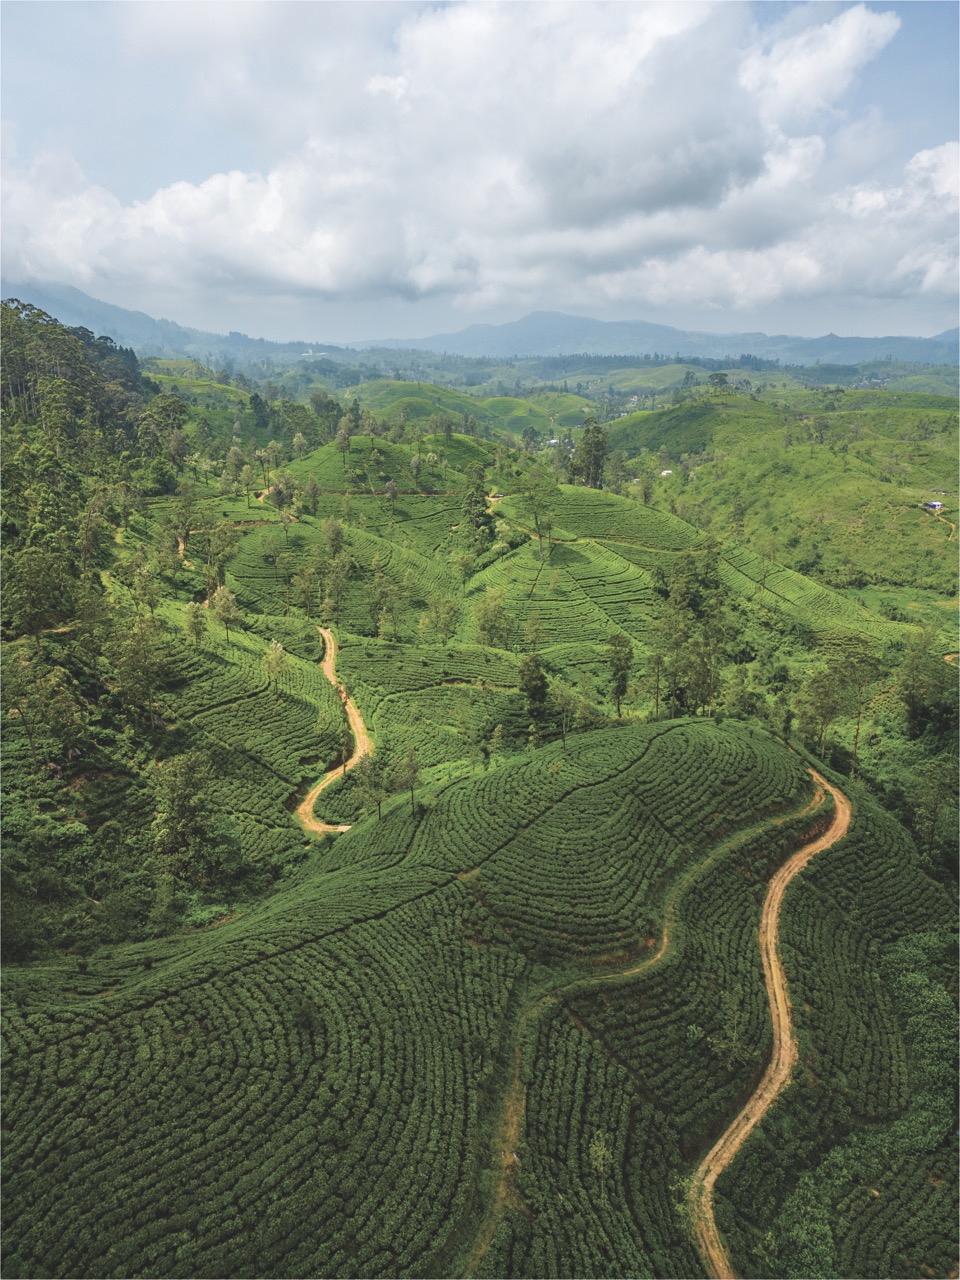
543 333
147 336
551 333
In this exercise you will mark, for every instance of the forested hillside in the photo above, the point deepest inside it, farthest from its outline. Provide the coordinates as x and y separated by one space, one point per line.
483 1004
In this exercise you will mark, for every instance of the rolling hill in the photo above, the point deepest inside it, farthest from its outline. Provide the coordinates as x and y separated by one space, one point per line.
484 1002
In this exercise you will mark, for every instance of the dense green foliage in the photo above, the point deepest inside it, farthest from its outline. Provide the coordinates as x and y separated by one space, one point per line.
235 1049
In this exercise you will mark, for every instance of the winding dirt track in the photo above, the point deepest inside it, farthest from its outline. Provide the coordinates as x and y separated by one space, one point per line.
953 527
944 520
775 1079
777 1075
509 1129
362 745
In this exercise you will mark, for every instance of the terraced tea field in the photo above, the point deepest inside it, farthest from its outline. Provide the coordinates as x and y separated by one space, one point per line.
319 1086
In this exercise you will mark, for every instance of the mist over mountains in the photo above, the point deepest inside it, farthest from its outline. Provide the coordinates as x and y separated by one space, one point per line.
549 333
542 333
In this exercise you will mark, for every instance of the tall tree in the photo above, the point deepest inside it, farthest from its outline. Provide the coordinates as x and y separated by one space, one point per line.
195 621
191 838
538 495
222 539
407 774
492 619
373 790
310 497
223 606
444 617
139 662
275 660
619 661
565 702
590 454
534 687
858 672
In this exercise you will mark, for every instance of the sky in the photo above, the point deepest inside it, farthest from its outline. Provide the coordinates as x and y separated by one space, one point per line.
348 171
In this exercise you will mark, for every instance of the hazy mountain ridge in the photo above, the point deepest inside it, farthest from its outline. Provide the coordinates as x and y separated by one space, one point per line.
149 336
542 333
547 333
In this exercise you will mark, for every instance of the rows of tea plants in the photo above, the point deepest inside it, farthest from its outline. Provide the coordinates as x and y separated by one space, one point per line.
263 582
593 1172
694 1030
904 1223
619 589
384 667
264 735
547 590
372 462
855 1171
593 514
420 575
273 718
254 575
649 558
443 724
819 608
417 522
584 875
276 1114
298 635
517 574
311 1088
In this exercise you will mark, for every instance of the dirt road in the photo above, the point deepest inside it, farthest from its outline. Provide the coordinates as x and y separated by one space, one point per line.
362 745
509 1128
777 1075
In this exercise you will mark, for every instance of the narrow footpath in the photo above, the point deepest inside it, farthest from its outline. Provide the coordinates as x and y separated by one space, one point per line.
944 520
776 1078
362 745
508 1130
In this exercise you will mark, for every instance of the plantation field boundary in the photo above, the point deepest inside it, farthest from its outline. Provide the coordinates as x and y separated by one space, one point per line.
362 745
785 1054
508 1128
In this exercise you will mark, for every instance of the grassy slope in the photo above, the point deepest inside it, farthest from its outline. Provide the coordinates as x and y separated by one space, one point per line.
846 510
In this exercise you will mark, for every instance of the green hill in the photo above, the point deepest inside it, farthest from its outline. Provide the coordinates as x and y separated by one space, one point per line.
829 484
345 1049
416 402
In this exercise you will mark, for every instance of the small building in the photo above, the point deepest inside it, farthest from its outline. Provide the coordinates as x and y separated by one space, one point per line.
934 506
666 473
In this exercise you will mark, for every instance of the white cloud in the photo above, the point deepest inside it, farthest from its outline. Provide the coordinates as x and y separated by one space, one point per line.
508 155
803 73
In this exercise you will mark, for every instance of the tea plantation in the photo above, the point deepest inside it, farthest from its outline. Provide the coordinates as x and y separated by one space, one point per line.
390 808
314 1088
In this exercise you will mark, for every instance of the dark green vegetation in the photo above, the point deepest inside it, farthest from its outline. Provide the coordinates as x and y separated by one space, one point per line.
237 1051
